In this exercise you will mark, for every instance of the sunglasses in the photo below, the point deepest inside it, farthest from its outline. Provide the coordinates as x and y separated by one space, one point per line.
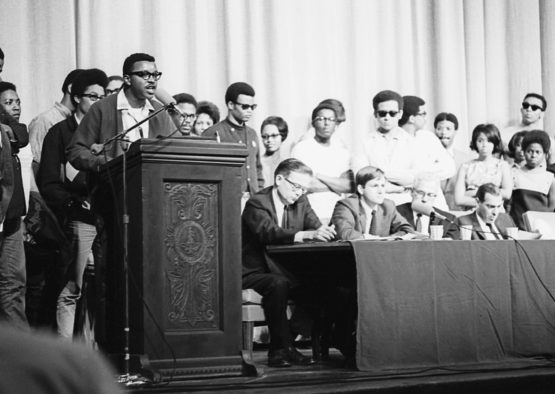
247 106
383 114
526 105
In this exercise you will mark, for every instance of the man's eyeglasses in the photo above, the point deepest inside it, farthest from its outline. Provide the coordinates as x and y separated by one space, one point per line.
147 75
422 193
268 136
93 97
189 116
534 107
383 114
247 106
324 119
295 186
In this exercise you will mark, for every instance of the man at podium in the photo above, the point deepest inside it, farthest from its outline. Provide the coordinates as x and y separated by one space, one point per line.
119 112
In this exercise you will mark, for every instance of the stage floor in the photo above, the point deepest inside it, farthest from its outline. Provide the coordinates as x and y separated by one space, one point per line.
528 376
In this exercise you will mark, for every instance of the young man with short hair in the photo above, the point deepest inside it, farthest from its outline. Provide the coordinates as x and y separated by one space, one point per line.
40 125
239 98
66 192
389 147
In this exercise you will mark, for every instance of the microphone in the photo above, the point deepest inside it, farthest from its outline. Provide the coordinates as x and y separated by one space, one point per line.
168 101
428 210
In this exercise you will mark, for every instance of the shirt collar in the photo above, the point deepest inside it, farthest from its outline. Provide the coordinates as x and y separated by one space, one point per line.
277 201
63 109
366 207
393 134
123 103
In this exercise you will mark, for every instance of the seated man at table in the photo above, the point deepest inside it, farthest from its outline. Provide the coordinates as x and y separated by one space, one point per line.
279 215
418 212
368 214
488 221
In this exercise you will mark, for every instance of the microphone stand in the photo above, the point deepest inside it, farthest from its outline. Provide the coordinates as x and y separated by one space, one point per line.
126 378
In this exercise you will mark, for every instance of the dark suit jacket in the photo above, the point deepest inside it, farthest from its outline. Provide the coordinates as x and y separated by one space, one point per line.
502 222
408 213
102 122
349 219
260 228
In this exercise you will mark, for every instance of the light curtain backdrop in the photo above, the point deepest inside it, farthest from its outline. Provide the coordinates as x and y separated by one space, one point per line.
475 58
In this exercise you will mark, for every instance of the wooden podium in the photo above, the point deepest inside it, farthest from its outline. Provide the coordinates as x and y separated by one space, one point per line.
184 255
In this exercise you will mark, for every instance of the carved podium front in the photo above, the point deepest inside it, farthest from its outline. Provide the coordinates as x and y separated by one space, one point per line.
184 255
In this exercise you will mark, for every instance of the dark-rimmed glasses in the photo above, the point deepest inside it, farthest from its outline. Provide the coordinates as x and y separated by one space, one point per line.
323 119
295 186
92 96
147 75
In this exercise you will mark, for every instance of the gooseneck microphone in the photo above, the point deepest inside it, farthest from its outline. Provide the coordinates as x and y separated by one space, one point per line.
167 100
428 210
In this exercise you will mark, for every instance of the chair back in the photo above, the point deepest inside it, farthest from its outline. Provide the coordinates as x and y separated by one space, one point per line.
542 222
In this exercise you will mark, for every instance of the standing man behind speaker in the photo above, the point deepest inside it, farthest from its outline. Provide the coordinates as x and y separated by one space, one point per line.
12 207
66 192
239 99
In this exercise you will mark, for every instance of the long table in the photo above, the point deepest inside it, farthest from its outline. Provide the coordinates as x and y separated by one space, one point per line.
425 304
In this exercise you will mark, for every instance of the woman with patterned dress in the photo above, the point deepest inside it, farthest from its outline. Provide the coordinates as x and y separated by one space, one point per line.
487 168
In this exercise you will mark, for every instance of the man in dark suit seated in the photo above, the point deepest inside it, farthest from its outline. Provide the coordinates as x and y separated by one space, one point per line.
488 221
279 215
424 193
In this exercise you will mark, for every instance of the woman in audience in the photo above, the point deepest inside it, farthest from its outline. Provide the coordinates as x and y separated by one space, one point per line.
487 168
534 186
340 133
516 153
208 114
273 131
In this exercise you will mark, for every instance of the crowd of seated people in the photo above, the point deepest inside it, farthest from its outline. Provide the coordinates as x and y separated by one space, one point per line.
324 191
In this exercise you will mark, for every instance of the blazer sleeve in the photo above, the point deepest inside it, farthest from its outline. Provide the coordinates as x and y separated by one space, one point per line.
345 222
260 224
88 132
399 225
49 178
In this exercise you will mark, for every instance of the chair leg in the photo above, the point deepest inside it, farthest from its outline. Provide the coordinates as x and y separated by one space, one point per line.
248 328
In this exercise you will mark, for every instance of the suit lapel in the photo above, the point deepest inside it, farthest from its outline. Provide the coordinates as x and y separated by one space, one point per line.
477 229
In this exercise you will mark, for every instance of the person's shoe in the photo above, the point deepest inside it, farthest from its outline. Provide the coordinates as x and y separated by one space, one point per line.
278 358
297 358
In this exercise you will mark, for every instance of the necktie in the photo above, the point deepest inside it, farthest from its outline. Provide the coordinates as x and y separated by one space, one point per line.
373 225
419 222
495 233
284 218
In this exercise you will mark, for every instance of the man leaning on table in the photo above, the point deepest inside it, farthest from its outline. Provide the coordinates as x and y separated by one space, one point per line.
279 215
488 221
